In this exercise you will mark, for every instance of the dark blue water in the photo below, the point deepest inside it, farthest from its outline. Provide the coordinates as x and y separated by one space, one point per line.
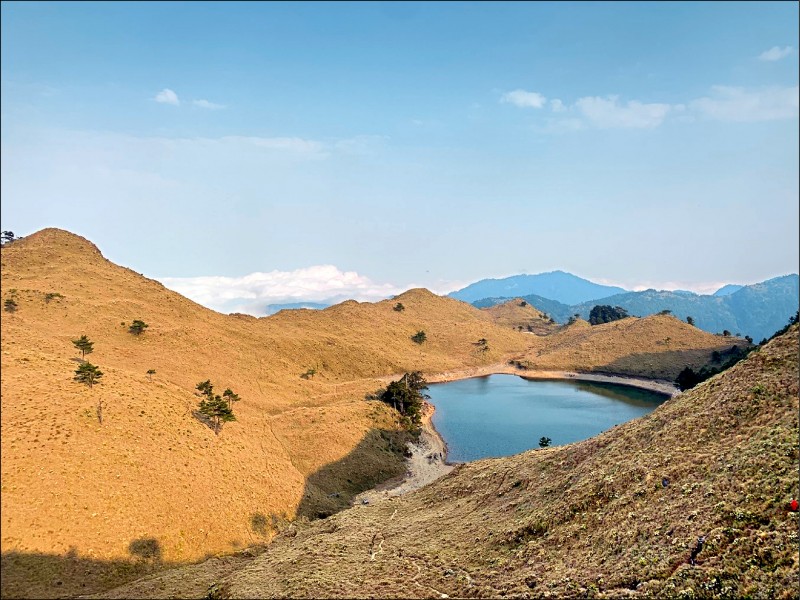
500 415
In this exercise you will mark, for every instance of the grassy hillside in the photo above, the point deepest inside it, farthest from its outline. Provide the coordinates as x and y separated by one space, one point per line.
72 484
614 516
657 347
521 315
85 504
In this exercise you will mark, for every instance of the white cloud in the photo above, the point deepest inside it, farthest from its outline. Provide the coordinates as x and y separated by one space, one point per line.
252 293
167 96
208 105
607 113
524 99
557 105
738 104
776 53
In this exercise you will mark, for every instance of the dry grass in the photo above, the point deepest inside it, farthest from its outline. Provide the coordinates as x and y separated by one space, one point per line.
591 519
522 316
151 470
658 347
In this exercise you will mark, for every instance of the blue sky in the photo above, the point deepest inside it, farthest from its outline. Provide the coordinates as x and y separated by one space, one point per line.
248 153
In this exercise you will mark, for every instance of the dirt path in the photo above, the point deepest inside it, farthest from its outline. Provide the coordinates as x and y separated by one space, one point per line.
426 464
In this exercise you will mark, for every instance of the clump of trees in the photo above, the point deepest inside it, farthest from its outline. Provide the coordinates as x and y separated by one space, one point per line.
83 345
606 314
217 409
137 327
688 378
407 396
399 307
419 337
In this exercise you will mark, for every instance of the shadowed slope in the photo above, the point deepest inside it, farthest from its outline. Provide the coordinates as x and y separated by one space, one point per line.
615 515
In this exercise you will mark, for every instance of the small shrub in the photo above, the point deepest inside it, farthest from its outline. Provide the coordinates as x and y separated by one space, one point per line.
150 373
137 327
10 305
399 307
52 296
419 337
544 442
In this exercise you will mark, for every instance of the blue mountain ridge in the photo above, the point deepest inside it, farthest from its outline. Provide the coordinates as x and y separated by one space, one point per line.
757 310
556 285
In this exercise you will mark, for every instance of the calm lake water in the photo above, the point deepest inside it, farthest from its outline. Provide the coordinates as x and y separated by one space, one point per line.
500 415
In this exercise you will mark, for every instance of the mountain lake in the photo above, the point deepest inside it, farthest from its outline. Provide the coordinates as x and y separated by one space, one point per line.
501 415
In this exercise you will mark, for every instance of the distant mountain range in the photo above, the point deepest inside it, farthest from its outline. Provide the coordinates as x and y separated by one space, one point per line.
556 285
757 310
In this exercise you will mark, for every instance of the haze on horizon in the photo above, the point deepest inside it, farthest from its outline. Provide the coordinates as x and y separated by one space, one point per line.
260 152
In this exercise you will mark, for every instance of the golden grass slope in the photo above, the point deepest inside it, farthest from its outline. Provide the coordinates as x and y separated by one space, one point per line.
617 515
658 347
152 471
518 313
69 482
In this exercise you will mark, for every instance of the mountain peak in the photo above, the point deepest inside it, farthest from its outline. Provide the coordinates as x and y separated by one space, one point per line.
51 237
556 285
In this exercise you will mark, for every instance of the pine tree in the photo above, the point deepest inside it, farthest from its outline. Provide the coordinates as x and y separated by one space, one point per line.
83 345
150 373
87 373
230 397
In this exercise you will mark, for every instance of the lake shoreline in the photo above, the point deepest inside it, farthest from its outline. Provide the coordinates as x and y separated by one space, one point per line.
659 386
429 454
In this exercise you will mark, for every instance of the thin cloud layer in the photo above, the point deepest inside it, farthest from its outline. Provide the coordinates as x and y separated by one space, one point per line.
738 104
167 96
724 103
209 105
524 99
252 293
606 113
775 53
